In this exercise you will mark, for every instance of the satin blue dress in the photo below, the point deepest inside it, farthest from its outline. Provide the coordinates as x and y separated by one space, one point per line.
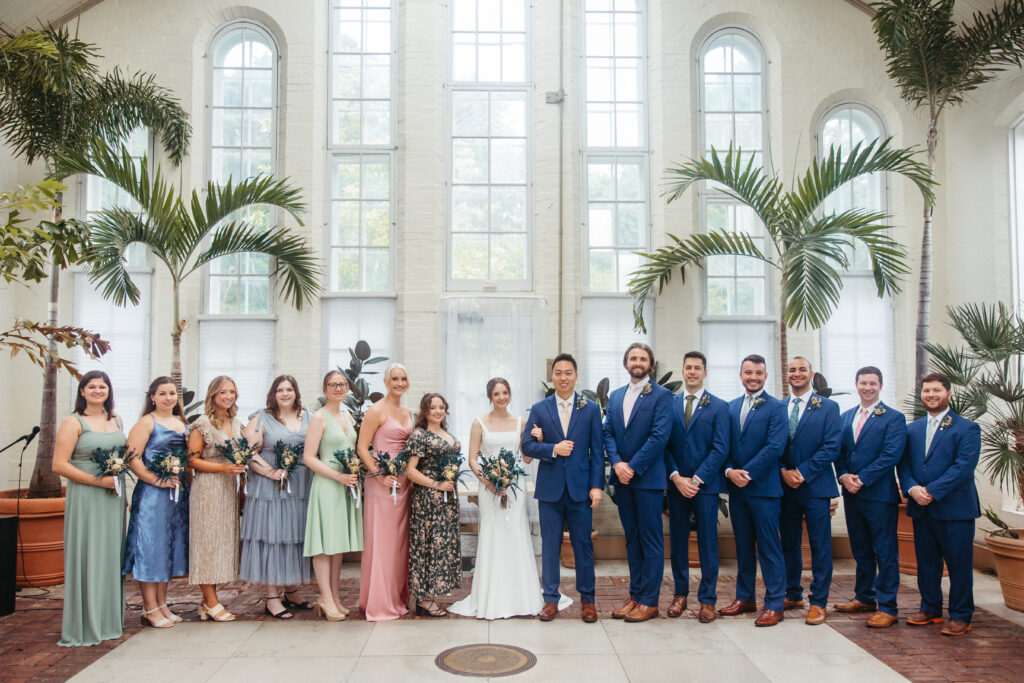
157 548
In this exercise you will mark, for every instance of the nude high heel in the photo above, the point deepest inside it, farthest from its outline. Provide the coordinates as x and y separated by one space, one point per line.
328 613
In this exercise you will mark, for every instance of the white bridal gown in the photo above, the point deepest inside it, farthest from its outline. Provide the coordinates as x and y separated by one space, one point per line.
505 582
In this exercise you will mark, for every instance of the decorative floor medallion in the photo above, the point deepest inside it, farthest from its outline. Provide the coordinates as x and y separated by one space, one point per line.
485 660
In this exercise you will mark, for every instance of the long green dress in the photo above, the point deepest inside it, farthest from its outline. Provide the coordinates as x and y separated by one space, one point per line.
94 529
333 522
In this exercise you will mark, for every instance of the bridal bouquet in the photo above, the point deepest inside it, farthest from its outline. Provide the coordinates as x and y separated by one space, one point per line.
288 458
170 464
502 471
114 462
350 464
238 452
390 466
449 465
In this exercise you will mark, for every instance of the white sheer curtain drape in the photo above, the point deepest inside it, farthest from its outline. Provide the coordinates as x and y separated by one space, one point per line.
485 337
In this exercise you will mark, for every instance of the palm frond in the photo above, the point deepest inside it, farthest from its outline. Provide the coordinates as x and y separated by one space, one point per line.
296 267
223 200
114 229
811 282
659 265
991 331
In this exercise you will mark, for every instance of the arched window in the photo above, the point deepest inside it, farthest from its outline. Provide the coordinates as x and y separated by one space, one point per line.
860 331
737 293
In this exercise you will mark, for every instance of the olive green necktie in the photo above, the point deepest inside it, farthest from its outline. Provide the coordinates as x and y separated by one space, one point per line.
689 408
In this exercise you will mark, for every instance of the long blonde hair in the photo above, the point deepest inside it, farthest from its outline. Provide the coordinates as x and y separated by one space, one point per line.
391 368
215 384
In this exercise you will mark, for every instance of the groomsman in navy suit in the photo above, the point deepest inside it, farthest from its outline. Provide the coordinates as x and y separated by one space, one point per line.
937 476
697 450
637 423
874 436
758 429
810 484
570 478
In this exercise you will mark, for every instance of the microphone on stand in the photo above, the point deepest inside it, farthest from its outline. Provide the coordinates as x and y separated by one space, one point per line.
31 435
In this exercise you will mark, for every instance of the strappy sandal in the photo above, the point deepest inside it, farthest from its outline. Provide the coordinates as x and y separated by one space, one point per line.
174 617
293 604
432 610
163 622
285 613
215 613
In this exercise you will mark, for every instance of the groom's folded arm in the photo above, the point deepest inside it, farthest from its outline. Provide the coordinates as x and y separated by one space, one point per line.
533 448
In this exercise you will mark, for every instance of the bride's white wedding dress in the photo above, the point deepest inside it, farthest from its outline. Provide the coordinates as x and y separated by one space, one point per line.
505 582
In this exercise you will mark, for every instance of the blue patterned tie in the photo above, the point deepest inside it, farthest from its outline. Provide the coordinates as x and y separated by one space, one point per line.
794 417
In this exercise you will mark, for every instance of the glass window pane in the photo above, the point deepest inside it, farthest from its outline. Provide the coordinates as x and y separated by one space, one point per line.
346 73
376 181
469 114
469 257
508 209
631 225
346 117
345 270
346 223
721 293
227 87
748 132
717 92
227 127
377 76
628 263
599 181
747 93
376 270
630 183
258 128
628 129
376 224
469 161
508 114
599 125
258 87
508 161
469 209
376 122
599 222
508 257
602 270
599 79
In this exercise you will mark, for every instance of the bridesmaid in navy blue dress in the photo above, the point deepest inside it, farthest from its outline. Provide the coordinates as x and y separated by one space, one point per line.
157 548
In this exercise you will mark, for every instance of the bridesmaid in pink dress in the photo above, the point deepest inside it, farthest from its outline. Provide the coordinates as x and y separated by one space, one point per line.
384 572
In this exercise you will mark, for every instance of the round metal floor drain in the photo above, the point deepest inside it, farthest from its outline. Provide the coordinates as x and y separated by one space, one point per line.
485 659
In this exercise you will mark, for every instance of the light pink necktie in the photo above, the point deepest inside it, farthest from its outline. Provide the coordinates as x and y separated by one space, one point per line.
860 423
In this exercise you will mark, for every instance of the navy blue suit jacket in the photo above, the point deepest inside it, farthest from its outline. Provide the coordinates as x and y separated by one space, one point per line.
874 456
946 470
581 470
702 448
641 443
759 445
814 446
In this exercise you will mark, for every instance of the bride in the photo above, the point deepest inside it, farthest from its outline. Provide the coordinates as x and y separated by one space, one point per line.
505 580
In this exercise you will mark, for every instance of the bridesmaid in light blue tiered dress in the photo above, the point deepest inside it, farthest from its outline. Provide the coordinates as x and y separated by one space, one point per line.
274 520
157 548
93 518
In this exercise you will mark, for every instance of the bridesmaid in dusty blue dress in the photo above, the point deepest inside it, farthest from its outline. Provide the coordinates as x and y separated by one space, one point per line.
157 549
93 518
274 520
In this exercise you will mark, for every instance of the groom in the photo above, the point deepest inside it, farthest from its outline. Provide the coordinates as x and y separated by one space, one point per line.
570 478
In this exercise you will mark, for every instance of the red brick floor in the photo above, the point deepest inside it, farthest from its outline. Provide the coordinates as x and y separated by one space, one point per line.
993 651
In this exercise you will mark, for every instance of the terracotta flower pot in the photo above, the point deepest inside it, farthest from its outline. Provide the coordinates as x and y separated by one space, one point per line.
905 541
1009 557
40 538
566 556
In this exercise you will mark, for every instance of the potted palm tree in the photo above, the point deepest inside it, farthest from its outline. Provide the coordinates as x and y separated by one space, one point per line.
985 368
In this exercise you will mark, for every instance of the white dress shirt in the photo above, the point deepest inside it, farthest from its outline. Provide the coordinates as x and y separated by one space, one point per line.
629 400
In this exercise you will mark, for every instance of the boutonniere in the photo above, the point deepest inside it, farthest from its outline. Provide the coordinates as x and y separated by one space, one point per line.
946 421
704 401
646 390
581 403
879 410
814 403
758 402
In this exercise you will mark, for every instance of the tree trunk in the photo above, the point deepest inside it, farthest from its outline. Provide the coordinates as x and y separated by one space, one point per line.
176 330
924 299
783 355
44 483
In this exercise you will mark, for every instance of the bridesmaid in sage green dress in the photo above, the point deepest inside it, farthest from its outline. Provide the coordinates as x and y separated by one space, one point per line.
334 525
94 517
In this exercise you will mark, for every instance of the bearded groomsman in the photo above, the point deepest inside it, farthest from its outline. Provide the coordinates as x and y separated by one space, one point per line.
874 436
810 485
697 450
637 424
758 430
937 477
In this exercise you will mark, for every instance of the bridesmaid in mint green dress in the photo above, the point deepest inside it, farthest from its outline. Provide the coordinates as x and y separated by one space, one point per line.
334 525
94 517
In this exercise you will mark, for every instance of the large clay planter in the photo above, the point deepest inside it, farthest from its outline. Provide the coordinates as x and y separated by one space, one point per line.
40 538
905 540
1009 557
566 555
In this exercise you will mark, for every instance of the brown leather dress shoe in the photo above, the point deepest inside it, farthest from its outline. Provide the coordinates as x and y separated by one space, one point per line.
548 611
792 604
737 607
641 613
769 618
589 612
815 615
955 627
707 613
624 609
881 620
853 606
676 608
923 618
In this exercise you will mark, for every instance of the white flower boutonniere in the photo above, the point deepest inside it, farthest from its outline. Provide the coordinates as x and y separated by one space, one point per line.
581 403
704 402
758 402
946 421
879 410
814 403
646 390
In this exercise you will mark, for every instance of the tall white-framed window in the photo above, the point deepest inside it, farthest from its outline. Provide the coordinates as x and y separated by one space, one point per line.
128 328
1016 153
733 111
489 132
860 331
242 117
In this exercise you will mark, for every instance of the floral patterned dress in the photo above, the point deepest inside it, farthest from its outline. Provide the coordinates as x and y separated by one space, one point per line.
435 550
